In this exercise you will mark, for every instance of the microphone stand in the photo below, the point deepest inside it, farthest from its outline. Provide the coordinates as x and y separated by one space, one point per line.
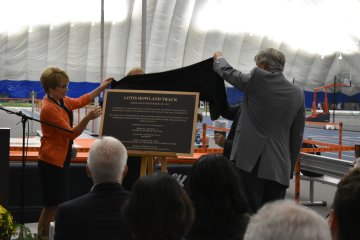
24 119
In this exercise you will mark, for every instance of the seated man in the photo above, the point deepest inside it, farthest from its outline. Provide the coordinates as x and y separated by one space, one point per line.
344 215
97 214
284 220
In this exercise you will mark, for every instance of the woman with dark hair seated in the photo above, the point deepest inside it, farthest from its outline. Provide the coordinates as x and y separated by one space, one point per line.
158 209
221 208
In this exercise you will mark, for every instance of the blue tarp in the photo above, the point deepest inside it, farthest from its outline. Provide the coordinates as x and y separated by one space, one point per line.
23 89
235 96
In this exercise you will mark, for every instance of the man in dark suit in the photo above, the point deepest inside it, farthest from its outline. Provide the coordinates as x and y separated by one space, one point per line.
232 112
97 214
270 130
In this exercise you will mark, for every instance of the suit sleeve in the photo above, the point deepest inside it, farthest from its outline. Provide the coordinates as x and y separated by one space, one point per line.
296 135
231 75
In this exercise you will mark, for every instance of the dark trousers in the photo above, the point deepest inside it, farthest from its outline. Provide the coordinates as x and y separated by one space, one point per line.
260 191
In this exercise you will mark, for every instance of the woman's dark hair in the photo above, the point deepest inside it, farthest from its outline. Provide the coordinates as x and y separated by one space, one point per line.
221 207
346 205
158 209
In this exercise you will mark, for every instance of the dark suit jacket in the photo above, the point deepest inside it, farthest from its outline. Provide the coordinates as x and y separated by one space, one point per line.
95 215
271 124
232 113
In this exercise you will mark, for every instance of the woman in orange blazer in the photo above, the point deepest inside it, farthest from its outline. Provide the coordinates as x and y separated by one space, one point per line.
56 144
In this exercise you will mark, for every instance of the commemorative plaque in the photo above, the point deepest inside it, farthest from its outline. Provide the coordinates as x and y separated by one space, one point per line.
158 122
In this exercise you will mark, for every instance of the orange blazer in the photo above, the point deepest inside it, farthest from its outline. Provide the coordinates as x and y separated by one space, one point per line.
55 142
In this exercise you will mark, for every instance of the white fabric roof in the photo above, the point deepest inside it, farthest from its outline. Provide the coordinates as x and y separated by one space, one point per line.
183 32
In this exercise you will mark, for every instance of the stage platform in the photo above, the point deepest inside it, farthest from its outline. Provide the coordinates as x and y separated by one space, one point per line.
83 146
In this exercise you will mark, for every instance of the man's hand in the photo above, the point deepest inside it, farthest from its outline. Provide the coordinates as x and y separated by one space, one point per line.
220 139
217 55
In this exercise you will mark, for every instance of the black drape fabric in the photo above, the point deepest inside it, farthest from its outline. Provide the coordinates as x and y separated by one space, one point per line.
198 77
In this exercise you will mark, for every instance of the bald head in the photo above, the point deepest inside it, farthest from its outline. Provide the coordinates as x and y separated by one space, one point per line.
136 71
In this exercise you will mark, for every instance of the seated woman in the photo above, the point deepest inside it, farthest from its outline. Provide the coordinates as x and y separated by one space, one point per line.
221 209
158 209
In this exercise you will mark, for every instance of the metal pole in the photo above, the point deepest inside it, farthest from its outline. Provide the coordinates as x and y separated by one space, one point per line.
340 139
32 110
334 100
96 100
143 34
102 43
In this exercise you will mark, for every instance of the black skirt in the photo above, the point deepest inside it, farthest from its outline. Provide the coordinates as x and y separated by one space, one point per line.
55 182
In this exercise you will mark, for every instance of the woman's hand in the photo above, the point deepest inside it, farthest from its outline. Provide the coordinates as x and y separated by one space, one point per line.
94 113
106 83
94 93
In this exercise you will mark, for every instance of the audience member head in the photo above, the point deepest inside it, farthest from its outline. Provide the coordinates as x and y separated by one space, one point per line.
284 220
107 160
215 190
344 216
51 78
158 209
135 71
270 59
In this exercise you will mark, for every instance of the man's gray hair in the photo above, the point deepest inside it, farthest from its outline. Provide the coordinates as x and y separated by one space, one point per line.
107 160
274 59
284 220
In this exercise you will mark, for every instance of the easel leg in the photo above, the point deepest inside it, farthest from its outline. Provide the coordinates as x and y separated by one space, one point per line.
163 162
150 165
143 166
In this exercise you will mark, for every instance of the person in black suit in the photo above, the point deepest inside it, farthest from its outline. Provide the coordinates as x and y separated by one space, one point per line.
232 112
97 214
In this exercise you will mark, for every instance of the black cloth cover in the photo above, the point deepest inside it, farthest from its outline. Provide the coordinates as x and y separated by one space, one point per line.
198 77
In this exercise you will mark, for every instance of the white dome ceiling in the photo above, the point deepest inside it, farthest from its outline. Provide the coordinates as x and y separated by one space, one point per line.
312 34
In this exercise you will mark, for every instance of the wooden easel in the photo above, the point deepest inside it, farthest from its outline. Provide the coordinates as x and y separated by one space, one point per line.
147 163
